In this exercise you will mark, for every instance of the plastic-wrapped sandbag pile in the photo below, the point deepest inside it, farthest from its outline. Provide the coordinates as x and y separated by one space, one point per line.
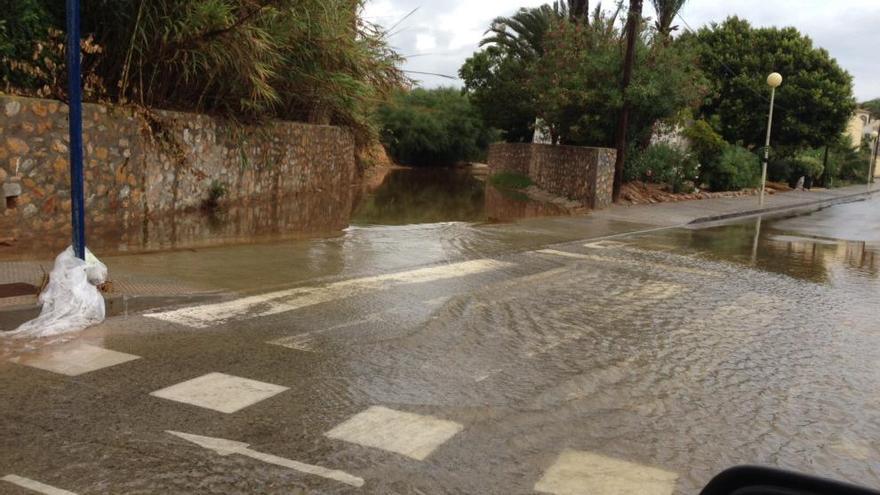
71 300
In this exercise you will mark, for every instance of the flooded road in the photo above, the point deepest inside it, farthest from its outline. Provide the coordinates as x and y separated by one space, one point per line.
464 357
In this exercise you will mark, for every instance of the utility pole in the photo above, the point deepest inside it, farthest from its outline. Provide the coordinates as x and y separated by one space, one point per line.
74 94
873 164
632 30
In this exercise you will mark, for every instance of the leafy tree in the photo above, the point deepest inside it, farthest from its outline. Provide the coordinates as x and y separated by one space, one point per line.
433 127
812 105
495 77
872 106
577 88
495 85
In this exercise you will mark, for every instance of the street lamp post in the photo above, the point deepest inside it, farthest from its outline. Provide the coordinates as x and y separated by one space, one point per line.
873 158
773 80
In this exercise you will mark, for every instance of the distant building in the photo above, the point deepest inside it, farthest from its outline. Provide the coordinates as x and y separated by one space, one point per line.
540 137
859 130
861 125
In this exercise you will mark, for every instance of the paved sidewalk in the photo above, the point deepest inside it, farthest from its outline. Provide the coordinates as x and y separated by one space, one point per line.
707 210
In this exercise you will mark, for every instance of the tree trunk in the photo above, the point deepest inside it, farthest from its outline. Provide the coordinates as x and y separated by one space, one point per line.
632 32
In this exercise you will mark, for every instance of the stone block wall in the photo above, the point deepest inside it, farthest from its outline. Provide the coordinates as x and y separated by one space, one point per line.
137 166
509 157
579 173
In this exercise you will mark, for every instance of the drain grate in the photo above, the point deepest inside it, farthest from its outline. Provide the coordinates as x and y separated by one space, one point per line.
17 289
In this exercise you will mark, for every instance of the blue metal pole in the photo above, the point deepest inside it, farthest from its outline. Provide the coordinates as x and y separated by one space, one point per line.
74 83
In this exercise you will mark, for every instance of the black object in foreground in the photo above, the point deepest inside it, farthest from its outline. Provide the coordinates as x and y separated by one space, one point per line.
757 480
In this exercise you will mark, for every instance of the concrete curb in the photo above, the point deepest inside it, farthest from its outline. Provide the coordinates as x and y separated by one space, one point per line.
805 206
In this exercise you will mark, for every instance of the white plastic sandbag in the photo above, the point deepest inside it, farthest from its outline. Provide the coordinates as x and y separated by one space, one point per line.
71 300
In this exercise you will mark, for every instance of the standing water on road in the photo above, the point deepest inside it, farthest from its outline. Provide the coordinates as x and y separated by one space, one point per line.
518 360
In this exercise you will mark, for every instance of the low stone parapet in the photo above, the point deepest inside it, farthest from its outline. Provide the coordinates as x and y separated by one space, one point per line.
580 173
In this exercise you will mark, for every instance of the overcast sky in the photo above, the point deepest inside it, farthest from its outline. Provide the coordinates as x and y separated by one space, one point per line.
441 34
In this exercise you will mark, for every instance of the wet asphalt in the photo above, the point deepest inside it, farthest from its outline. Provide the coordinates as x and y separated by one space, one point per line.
683 350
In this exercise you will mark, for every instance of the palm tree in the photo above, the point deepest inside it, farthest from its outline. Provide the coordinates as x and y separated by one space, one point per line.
632 32
522 34
666 12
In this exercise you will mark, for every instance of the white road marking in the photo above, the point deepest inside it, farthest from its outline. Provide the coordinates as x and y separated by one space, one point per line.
412 435
220 392
227 447
292 299
630 262
604 244
35 485
305 341
73 359
567 254
577 472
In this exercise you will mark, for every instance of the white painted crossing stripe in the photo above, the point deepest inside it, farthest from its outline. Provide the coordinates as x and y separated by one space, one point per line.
567 254
605 244
304 341
628 262
292 299
223 446
413 435
35 485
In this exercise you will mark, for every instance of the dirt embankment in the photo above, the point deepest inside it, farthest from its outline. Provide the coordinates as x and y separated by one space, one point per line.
637 193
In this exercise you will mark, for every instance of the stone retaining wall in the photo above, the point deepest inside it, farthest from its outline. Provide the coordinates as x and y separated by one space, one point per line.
138 166
578 173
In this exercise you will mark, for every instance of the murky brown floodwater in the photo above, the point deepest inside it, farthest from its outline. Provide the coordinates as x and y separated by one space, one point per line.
404 197
686 350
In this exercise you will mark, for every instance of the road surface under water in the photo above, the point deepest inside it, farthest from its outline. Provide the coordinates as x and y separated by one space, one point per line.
472 359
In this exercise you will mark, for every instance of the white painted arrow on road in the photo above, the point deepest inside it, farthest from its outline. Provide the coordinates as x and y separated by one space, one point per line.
226 447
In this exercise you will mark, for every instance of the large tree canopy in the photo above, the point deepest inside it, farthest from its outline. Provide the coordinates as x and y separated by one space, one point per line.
577 82
812 105
495 77
496 86
562 65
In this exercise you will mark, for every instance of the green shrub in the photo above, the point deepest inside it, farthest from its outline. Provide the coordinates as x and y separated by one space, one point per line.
846 165
706 144
510 180
807 163
663 164
736 168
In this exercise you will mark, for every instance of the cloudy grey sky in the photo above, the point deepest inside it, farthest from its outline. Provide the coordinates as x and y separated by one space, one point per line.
441 34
